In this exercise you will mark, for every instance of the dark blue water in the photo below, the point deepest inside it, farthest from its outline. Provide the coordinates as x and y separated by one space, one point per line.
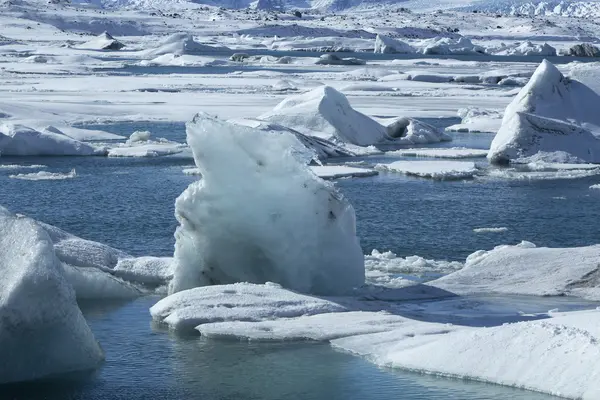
129 204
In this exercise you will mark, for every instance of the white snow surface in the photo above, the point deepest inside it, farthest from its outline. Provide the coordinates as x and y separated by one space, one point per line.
551 113
529 270
43 332
190 308
259 214
439 170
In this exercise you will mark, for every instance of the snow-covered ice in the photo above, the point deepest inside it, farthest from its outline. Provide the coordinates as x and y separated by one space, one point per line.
45 176
19 140
440 170
388 45
43 332
104 41
230 231
341 171
452 153
498 229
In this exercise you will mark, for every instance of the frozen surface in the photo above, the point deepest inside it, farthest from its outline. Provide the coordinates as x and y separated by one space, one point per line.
236 302
341 171
441 170
259 214
43 332
526 269
551 113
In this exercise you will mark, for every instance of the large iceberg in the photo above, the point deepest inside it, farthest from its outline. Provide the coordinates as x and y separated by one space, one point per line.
19 140
327 114
43 331
551 113
259 214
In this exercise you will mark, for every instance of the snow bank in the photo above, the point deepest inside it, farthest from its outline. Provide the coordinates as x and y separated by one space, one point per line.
439 170
387 45
180 44
452 153
324 112
187 309
526 269
45 176
104 41
43 332
19 140
557 356
551 113
451 46
341 171
264 217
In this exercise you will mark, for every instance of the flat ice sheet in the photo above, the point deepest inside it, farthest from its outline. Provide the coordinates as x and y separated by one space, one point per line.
439 170
341 171
452 153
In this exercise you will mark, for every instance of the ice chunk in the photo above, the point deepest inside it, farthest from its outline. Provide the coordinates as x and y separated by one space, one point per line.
451 153
412 131
524 269
180 44
584 50
389 262
387 45
341 171
187 309
147 149
43 332
440 170
45 176
447 46
104 41
477 120
332 59
491 229
139 136
324 112
596 186
551 113
557 356
19 140
151 271
524 49
264 217
320 327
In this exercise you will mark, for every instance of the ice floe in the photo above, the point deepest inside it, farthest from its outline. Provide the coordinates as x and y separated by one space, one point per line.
498 229
439 170
45 176
341 171
477 120
451 153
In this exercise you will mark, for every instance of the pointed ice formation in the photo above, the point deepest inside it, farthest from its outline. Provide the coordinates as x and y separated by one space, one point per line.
259 214
551 113
104 41
388 45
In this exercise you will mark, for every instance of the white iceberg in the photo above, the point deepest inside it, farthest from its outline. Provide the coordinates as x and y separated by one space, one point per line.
19 140
43 332
259 214
524 49
149 271
103 41
387 45
551 113
451 46
474 119
187 309
439 170
180 44
412 131
528 270
332 59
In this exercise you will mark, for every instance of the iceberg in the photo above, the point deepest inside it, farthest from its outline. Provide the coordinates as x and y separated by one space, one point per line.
43 332
259 214
103 41
19 140
387 45
451 46
551 113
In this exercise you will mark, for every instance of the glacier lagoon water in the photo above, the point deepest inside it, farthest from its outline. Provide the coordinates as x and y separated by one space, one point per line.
129 204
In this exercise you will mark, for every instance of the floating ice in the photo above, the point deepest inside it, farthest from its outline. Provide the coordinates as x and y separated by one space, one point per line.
596 186
549 114
389 262
491 229
264 217
412 131
332 59
439 170
477 120
524 49
452 153
526 269
150 271
187 309
447 46
45 176
43 332
19 140
341 171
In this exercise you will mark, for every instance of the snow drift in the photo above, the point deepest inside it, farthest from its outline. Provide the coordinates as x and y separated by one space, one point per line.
259 214
43 331
551 113
19 140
